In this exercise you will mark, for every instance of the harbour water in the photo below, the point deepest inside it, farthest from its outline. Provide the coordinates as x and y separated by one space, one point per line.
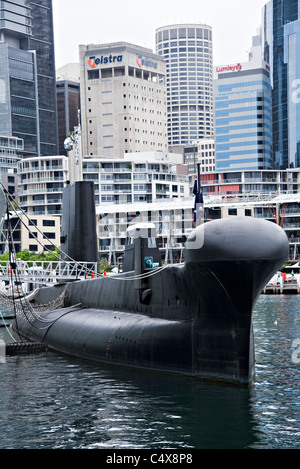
50 401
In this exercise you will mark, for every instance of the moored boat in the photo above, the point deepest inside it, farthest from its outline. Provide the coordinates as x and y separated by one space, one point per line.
192 319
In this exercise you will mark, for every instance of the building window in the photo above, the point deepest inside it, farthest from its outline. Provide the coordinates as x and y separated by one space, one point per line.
50 247
48 222
49 236
93 74
232 211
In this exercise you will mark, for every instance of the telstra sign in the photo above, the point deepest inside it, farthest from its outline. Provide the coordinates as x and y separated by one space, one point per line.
108 59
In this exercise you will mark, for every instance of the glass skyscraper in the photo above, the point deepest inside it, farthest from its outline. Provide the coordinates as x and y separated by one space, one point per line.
292 58
282 43
188 53
27 75
243 114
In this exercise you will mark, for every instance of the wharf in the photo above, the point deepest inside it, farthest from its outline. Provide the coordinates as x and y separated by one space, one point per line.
287 287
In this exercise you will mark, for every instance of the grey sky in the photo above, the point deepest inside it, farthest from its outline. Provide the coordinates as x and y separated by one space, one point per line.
234 22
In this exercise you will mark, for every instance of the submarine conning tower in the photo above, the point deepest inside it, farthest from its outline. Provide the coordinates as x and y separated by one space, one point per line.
141 250
78 226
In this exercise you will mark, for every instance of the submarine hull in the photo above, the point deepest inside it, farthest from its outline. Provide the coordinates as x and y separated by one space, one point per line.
193 319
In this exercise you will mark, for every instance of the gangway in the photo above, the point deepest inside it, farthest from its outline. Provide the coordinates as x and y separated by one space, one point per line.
45 272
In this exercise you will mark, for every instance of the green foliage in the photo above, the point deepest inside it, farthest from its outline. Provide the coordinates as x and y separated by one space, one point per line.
48 256
103 267
28 256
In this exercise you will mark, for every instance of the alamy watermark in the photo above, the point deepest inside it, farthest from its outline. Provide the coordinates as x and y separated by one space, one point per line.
2 352
296 92
296 352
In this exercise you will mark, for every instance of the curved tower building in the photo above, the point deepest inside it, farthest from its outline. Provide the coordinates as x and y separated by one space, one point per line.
188 53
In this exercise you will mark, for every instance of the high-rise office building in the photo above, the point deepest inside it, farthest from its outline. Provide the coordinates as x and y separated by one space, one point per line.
27 75
68 107
123 106
281 30
68 102
243 114
188 52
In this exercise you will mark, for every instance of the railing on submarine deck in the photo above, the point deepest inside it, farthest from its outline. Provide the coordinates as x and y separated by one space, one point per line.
48 271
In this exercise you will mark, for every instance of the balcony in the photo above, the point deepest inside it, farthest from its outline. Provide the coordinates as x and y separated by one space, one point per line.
40 169
34 191
290 226
120 180
50 178
231 181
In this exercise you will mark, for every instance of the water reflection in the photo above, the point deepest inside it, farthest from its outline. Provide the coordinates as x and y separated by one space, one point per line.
58 402
275 396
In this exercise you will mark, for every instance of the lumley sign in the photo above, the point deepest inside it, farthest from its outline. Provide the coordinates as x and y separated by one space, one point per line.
230 68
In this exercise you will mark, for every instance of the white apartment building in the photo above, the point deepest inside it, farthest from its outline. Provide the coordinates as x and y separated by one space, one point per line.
203 152
41 181
138 177
269 194
206 154
123 101
10 148
40 233
150 188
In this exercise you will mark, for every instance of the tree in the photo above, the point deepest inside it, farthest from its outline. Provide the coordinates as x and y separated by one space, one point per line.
27 255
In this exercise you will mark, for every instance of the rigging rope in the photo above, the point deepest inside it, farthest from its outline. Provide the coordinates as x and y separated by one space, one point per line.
14 203
7 329
22 305
88 271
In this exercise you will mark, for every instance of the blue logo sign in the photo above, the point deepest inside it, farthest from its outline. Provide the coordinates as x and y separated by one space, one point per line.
142 62
110 59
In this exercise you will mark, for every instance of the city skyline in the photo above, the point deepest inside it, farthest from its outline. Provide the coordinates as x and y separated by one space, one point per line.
127 22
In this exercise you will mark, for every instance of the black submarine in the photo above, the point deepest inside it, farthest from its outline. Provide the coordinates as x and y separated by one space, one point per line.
192 319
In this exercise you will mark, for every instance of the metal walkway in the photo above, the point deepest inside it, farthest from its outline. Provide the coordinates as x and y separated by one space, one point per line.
47 272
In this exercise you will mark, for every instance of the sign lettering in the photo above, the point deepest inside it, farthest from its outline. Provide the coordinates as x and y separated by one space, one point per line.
93 61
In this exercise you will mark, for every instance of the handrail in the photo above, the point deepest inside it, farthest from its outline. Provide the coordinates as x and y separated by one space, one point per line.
47 271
